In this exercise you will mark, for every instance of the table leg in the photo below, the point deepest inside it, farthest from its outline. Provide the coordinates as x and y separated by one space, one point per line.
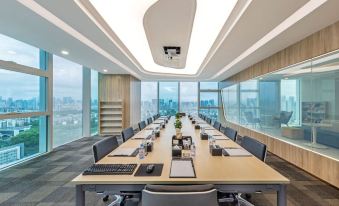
79 196
281 199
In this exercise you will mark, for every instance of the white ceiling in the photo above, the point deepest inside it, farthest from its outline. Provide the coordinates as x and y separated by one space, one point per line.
254 30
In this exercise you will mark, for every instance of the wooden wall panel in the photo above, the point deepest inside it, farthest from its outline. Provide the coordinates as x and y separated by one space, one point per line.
321 42
120 87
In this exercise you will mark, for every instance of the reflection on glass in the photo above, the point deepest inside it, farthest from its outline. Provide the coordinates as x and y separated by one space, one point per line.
94 102
299 104
208 99
19 92
208 85
67 101
168 98
149 99
20 138
18 52
211 113
189 97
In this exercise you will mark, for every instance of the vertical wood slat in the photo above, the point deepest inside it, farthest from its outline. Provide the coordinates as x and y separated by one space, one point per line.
321 42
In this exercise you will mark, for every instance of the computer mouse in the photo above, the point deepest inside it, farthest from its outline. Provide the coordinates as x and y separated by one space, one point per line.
149 168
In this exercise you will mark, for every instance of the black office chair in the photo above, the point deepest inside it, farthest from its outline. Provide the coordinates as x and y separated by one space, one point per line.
155 117
100 150
259 150
230 133
127 133
209 120
149 120
217 125
255 147
142 125
180 195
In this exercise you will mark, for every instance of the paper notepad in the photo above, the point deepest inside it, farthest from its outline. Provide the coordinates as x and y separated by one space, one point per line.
238 152
123 152
182 168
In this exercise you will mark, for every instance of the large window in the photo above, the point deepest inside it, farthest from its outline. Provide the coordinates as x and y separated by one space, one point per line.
94 103
23 131
168 98
189 97
67 104
209 100
149 99
298 104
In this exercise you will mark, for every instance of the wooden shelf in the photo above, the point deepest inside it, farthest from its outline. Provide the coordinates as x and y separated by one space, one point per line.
111 117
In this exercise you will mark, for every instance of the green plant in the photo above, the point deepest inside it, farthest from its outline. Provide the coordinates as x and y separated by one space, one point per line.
177 115
178 124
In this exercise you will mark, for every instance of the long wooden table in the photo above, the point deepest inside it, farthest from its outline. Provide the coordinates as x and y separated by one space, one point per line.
228 174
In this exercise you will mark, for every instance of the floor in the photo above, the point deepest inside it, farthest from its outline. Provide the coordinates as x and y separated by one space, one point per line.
45 181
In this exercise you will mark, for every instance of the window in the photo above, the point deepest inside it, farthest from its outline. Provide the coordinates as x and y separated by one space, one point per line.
168 98
18 52
189 97
67 104
23 130
94 103
149 99
208 99
19 92
208 85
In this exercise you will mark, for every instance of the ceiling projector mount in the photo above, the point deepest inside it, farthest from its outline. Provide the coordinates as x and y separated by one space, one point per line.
171 52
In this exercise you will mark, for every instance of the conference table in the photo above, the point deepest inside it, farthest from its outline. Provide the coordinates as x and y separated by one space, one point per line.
232 174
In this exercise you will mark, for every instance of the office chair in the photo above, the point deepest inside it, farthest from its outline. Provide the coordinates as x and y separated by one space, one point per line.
250 119
209 120
142 125
100 150
284 117
127 133
230 133
155 117
257 149
183 195
217 125
149 120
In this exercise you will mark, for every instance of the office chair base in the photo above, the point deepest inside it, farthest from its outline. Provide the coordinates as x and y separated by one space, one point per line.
117 200
242 201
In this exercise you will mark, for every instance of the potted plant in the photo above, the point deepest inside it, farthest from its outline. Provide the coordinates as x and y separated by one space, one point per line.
177 116
178 126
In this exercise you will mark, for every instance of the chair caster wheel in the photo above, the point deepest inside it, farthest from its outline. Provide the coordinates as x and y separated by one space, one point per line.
105 199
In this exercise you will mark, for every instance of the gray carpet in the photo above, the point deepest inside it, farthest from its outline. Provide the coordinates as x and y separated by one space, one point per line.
45 181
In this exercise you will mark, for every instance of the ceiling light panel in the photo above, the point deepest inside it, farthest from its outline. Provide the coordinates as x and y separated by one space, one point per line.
125 17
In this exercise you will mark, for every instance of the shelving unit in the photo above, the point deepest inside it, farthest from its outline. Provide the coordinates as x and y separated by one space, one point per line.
111 117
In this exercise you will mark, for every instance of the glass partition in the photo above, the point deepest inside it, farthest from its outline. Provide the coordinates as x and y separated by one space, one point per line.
298 104
189 97
149 99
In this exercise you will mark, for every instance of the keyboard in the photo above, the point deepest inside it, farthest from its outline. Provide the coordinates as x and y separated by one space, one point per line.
110 169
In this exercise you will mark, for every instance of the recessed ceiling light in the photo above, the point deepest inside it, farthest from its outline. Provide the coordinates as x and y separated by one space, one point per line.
105 70
286 78
11 52
260 78
64 52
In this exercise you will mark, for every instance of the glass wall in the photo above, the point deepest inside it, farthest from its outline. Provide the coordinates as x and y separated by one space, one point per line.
298 104
189 97
67 101
94 121
149 99
168 98
23 131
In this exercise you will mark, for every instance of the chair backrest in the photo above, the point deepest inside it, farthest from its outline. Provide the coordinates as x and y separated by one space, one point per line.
183 195
127 133
208 120
142 125
155 117
217 125
231 133
104 147
222 129
255 147
285 117
149 120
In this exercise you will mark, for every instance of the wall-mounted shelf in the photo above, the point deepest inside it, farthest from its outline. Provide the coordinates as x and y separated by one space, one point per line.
111 117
